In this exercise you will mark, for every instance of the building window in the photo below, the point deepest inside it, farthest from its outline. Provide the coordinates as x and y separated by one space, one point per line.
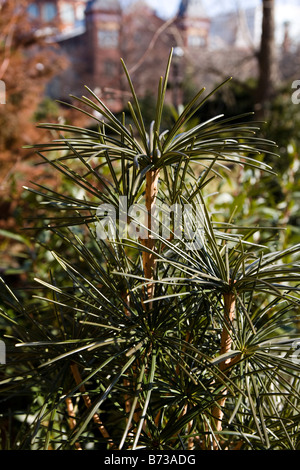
33 10
67 13
108 39
110 68
80 12
196 41
49 11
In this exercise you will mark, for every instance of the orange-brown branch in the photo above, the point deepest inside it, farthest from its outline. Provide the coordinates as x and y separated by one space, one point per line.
149 242
88 404
72 420
226 342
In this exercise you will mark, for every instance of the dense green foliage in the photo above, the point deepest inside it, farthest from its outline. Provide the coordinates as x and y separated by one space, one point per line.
95 360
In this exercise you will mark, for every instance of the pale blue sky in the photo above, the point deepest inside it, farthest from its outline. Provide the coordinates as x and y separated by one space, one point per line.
286 10
167 8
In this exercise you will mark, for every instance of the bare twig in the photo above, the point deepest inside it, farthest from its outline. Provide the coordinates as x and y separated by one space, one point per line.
158 32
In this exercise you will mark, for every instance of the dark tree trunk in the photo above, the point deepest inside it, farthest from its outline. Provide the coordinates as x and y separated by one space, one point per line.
266 59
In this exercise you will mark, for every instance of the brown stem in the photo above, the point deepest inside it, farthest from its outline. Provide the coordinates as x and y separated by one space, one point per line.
72 420
191 440
126 382
149 257
88 404
226 341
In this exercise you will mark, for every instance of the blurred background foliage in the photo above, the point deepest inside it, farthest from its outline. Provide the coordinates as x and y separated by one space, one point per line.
250 194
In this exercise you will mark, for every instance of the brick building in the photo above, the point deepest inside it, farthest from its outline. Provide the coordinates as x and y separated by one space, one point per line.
93 36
